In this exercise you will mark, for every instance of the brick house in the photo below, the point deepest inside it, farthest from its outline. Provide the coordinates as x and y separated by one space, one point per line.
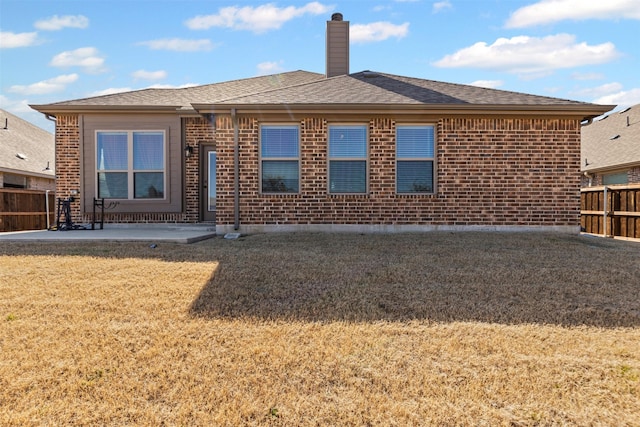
610 151
366 151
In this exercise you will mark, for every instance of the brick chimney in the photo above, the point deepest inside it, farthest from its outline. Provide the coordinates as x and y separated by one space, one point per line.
337 46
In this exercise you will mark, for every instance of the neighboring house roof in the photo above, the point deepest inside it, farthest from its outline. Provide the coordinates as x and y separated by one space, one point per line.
365 90
25 148
612 142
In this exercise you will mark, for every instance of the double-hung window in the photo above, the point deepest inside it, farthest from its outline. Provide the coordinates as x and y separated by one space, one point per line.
347 159
130 164
414 159
280 158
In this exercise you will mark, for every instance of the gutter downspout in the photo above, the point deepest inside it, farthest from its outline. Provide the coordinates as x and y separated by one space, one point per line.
236 171
53 119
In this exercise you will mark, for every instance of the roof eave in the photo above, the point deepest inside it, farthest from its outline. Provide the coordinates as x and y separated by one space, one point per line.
54 109
611 167
586 111
50 175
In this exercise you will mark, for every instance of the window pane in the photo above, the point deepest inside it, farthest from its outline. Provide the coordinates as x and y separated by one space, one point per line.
280 176
347 141
348 176
279 141
616 178
112 151
148 153
414 141
112 185
148 185
415 177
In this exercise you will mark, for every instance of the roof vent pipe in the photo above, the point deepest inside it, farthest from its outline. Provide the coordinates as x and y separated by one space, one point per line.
337 54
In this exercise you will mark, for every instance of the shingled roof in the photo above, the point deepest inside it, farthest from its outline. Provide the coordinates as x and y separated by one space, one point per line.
612 142
183 98
25 148
370 87
303 89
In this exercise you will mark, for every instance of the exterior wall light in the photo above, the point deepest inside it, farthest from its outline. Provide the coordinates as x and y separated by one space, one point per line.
188 151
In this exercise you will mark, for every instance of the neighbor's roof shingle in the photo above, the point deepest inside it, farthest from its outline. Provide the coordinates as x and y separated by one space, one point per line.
612 142
24 138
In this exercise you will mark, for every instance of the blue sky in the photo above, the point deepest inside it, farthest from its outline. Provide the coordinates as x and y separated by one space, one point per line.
67 49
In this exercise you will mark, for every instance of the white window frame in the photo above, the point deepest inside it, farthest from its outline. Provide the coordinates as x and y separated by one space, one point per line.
364 159
262 159
130 171
417 159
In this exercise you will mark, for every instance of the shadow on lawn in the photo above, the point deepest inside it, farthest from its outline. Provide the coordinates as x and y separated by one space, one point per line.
508 278
559 280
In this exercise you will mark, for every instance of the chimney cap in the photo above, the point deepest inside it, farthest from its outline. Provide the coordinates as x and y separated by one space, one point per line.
336 17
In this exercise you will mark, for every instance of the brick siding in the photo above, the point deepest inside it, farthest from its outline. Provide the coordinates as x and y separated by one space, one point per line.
633 177
489 172
68 161
497 172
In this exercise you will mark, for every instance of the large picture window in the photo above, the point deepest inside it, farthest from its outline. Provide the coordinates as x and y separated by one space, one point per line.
348 159
130 164
280 154
414 159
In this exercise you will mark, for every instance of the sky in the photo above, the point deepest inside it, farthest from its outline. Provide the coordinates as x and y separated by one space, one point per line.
50 51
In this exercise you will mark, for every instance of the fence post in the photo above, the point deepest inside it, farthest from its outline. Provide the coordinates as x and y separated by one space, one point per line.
604 219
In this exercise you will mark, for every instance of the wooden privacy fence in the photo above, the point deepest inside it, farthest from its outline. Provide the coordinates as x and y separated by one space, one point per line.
25 209
611 211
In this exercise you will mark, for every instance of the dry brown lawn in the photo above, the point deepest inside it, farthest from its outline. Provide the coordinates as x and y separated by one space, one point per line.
519 329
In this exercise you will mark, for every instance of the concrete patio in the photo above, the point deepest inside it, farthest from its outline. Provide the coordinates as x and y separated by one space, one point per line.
151 233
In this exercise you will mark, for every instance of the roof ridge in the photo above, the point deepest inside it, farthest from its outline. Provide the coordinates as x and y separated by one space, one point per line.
320 79
254 78
182 89
473 86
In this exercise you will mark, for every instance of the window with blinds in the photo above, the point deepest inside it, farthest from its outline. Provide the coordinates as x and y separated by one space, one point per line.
414 159
130 164
280 159
348 159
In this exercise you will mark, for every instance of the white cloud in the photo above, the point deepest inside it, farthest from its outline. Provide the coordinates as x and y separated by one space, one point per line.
530 55
257 19
16 107
440 6
56 22
550 11
598 91
265 68
490 84
56 84
149 75
622 98
9 40
587 76
179 45
377 31
85 57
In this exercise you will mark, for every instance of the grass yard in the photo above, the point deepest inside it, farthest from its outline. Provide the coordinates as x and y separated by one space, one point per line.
519 329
